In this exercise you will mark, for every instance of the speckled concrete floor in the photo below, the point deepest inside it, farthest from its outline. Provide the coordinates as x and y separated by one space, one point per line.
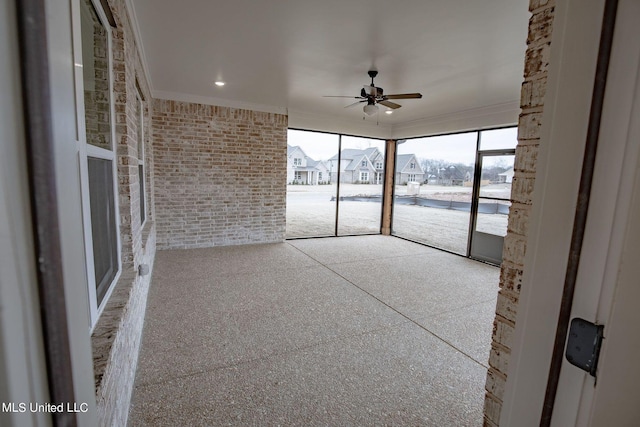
348 331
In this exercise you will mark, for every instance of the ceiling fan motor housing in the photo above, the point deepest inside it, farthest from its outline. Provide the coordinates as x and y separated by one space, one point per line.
373 95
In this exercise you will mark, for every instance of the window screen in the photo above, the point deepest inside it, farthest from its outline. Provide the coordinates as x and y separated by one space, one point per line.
103 224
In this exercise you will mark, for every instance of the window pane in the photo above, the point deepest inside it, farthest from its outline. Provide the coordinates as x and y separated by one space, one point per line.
103 224
493 216
142 194
140 127
434 182
96 73
140 142
311 184
497 176
361 183
498 139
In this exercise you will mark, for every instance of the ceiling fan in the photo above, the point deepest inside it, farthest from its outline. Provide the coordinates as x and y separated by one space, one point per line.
373 95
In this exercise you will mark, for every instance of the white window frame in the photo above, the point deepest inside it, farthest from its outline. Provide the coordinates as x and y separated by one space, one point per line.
141 159
319 176
412 165
297 176
412 177
297 161
378 165
87 150
364 176
364 163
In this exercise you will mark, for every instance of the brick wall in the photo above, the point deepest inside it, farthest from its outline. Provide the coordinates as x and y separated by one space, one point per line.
532 102
220 175
117 335
96 89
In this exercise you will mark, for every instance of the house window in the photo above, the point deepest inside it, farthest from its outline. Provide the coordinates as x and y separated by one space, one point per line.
364 176
412 165
412 177
99 179
364 163
297 162
319 176
298 176
378 165
141 166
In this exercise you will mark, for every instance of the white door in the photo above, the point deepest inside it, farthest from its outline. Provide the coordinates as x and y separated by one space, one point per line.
608 282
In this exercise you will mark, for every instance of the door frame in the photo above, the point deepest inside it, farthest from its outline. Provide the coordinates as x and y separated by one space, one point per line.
606 239
574 54
475 201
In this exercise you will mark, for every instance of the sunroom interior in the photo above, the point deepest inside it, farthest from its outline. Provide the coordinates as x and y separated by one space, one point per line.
413 172
219 151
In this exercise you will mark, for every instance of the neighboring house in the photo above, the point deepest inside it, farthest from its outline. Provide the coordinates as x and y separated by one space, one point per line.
358 166
506 176
408 169
302 169
451 175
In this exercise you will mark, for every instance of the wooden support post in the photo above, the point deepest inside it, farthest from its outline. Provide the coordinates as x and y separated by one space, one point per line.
387 199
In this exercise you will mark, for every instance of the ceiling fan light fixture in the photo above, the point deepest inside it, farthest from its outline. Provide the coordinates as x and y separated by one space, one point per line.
370 109
389 112
219 83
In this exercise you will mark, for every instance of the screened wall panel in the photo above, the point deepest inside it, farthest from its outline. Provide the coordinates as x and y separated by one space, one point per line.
433 189
311 185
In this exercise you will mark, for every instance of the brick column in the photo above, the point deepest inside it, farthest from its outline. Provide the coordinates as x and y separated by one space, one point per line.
532 102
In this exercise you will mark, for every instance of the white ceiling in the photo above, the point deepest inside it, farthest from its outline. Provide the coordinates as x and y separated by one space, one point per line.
465 57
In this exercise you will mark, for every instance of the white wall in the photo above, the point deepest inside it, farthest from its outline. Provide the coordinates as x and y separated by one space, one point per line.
22 364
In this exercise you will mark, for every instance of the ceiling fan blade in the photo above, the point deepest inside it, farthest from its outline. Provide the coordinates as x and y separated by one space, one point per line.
355 103
403 96
390 104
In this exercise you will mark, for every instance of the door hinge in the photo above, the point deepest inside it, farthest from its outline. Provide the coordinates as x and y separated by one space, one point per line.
583 344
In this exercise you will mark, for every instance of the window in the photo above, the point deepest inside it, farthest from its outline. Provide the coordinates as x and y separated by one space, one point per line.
298 176
297 162
141 166
99 182
412 177
103 225
319 176
412 165
364 163
364 176
378 165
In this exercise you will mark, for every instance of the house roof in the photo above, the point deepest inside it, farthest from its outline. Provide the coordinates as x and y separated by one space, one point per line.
508 172
452 172
356 163
352 153
293 148
402 160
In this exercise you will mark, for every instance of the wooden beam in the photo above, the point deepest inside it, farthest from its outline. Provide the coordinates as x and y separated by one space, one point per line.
387 199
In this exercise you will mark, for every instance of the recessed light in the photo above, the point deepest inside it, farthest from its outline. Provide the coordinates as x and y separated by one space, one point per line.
219 83
389 112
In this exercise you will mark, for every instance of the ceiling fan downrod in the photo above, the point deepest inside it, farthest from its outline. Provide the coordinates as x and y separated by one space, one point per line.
372 74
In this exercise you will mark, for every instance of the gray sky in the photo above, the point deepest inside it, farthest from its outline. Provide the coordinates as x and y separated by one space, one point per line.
458 148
